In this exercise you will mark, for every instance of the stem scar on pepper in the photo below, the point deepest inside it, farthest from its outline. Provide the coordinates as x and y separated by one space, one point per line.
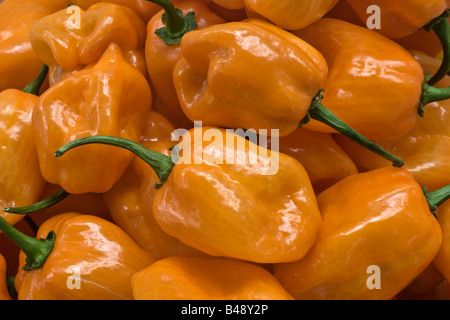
321 113
176 24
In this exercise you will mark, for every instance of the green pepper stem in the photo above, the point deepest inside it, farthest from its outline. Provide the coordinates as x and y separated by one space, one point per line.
41 205
36 250
431 94
436 198
176 24
34 86
10 285
161 164
441 27
320 113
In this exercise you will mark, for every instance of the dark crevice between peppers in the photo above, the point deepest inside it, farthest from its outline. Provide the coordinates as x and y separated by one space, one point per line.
176 24
321 113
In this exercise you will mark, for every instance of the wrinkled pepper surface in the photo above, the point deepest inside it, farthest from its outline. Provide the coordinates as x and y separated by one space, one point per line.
109 97
67 47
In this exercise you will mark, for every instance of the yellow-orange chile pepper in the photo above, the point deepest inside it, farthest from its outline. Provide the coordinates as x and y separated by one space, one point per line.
130 199
4 293
110 97
21 181
291 14
184 278
223 206
376 223
67 47
162 57
254 75
362 62
18 61
248 75
324 160
425 148
401 18
76 257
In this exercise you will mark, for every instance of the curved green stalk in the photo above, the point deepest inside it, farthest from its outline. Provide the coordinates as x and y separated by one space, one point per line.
34 86
431 94
161 164
41 205
320 113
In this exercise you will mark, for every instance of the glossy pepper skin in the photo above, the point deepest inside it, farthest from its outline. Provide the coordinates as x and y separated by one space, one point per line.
362 61
324 160
377 218
130 199
21 181
291 14
248 74
109 97
4 294
106 258
425 148
67 48
161 59
401 18
227 210
18 61
183 278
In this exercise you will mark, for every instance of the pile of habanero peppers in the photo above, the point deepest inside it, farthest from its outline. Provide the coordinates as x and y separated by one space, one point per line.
225 150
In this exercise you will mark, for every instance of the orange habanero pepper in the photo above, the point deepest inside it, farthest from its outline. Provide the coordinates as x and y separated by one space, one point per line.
82 257
291 14
67 48
18 61
377 222
109 97
227 209
4 293
130 199
162 54
362 61
183 278
21 181
425 148
255 75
